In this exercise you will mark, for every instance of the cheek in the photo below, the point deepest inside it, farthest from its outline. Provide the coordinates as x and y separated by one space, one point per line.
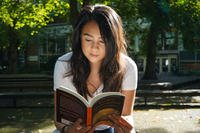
103 52
84 48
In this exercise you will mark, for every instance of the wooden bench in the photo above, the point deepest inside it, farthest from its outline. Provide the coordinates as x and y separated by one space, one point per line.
166 93
164 90
13 89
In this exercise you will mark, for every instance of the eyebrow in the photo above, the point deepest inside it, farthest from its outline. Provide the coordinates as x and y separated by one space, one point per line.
86 34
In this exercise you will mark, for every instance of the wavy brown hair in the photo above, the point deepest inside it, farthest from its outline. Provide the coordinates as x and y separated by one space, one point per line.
111 70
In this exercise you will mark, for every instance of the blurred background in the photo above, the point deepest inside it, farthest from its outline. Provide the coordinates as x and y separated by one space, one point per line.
162 35
163 38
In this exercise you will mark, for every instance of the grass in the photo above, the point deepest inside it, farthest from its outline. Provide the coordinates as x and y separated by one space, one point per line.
26 120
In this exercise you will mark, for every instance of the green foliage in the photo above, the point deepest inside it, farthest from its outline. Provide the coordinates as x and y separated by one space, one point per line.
155 11
152 12
33 14
186 18
128 11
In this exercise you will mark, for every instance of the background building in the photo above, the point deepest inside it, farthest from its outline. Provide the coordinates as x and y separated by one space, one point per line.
51 42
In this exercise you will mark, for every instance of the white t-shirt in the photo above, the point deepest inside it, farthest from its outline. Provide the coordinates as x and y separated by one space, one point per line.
62 67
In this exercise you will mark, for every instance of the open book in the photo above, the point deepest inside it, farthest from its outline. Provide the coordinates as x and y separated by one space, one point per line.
70 106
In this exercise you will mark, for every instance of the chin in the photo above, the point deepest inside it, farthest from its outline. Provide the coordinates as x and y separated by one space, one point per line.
94 61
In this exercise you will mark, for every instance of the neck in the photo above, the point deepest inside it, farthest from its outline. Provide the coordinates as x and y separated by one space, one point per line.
95 68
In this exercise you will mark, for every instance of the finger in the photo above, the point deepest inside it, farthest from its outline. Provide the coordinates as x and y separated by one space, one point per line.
92 130
121 126
85 130
113 119
125 123
120 121
89 129
77 122
118 129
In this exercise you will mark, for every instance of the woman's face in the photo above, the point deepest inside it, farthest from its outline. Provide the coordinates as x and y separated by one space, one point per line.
92 43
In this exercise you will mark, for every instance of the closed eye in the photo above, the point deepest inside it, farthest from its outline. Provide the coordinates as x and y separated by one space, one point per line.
88 40
102 42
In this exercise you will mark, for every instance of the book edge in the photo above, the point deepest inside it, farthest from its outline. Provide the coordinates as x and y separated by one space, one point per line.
102 95
62 88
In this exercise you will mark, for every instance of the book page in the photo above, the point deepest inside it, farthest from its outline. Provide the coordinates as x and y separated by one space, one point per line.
69 108
109 104
75 94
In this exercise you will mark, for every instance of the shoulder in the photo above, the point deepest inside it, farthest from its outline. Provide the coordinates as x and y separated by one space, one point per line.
66 57
131 73
129 62
63 62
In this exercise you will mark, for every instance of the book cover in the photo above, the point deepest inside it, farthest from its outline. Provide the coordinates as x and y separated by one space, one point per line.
70 106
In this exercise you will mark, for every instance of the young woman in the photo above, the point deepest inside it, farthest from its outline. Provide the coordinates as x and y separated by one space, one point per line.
98 63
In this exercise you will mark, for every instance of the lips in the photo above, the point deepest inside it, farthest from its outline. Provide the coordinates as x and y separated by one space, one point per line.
93 55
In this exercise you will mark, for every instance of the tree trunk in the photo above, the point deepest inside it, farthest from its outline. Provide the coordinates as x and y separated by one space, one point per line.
73 11
12 51
150 71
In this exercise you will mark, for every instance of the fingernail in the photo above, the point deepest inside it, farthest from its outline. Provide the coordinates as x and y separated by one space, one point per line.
79 127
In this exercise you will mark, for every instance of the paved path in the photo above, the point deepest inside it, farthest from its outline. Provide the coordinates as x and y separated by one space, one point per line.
167 121
159 121
171 120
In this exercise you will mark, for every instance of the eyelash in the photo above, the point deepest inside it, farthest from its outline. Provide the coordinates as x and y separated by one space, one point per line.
87 39
101 42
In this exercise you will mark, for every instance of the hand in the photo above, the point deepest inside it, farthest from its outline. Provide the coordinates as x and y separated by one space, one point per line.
120 125
76 127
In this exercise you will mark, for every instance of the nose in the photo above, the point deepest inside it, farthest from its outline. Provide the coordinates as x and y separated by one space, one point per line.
95 45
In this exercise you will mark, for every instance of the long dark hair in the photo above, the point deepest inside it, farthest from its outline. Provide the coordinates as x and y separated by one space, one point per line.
112 70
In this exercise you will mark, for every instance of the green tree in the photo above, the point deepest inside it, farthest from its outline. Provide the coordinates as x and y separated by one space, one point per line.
181 15
186 20
156 13
19 15
128 10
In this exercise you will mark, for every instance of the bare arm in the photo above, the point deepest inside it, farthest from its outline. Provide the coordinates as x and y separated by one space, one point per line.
128 102
128 106
129 86
125 123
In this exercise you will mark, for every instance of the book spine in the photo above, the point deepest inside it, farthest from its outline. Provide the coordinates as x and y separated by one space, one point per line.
89 116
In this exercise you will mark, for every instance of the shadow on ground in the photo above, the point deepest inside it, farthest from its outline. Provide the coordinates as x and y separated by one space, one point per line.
25 120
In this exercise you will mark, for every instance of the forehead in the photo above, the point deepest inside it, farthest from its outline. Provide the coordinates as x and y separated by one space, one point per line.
91 28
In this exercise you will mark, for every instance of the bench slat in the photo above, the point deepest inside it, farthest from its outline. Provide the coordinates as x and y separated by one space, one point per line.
25 94
145 93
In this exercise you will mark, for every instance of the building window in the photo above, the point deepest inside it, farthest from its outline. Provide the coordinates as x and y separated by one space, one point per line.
173 65
165 63
140 64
